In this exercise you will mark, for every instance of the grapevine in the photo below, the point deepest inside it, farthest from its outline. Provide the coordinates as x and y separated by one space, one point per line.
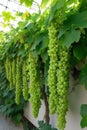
52 79
35 86
62 86
18 80
25 82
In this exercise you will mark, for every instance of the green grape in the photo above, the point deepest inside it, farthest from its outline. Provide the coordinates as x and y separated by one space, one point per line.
14 71
35 85
10 75
18 80
52 79
7 68
62 86
25 82
27 69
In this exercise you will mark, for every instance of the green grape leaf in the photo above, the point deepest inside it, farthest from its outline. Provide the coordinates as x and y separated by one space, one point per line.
17 118
41 42
77 20
7 16
80 51
83 122
29 39
45 126
83 5
28 3
40 46
21 1
43 3
38 39
83 76
83 112
70 37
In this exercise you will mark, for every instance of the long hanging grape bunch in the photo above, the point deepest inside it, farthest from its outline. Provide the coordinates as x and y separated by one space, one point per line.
35 86
18 80
8 67
58 76
25 82
14 71
62 85
52 79
10 75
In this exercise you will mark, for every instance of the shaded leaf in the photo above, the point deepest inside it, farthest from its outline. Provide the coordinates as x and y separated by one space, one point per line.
78 20
83 110
80 51
38 40
70 37
83 76
45 126
83 122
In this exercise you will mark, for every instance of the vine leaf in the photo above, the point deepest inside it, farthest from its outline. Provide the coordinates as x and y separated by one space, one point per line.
70 37
83 112
7 16
45 126
78 51
27 2
83 76
78 20
21 1
43 3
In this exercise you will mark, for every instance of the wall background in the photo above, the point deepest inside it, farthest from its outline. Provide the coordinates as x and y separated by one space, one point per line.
7 124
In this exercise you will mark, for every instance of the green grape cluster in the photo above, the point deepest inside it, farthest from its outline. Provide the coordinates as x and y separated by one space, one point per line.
25 82
18 80
14 71
35 85
52 79
62 86
10 75
8 67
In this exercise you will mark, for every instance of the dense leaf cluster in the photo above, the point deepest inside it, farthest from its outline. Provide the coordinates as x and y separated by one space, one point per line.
7 103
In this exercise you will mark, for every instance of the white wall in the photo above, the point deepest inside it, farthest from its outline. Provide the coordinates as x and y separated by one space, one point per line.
7 124
76 98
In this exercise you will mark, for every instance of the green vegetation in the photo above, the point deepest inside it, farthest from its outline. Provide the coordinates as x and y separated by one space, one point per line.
52 43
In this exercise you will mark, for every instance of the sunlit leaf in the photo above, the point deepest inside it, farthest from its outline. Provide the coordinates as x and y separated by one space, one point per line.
43 3
7 16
